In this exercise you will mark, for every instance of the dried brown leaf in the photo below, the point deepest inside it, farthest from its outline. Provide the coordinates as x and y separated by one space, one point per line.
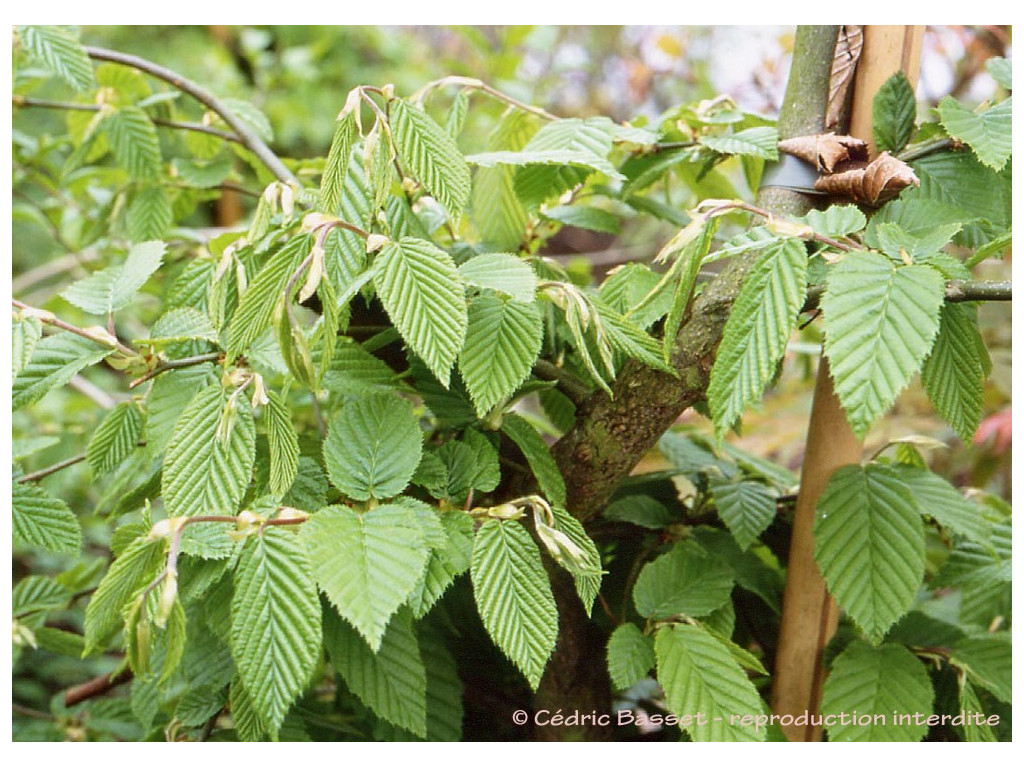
844 65
880 180
826 151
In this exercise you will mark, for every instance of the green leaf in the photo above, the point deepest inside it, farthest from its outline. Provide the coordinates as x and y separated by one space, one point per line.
988 133
256 309
332 182
627 285
892 114
753 142
430 155
970 702
55 360
940 500
887 683
502 343
538 456
987 660
210 455
248 723
445 563
150 214
275 622
640 510
25 334
178 325
354 371
61 53
373 447
869 544
689 247
115 438
586 568
422 292
1001 70
514 597
584 217
114 288
391 681
444 689
129 573
686 580
954 374
587 142
497 212
43 521
630 656
368 564
700 677
880 323
505 273
746 507
133 139
759 326
251 115
836 220
284 445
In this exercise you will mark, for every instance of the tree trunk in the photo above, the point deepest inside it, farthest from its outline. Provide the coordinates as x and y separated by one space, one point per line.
611 435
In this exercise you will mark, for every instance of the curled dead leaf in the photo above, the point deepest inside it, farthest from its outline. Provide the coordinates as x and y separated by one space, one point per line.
882 179
826 151
844 65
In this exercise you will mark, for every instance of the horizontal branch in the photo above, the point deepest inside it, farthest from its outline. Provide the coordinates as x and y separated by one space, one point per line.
246 135
48 318
96 687
956 291
24 101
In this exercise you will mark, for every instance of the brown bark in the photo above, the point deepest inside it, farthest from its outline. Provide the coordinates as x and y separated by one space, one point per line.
611 435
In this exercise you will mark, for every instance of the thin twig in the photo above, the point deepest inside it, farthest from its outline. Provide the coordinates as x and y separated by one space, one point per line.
96 687
170 365
48 318
41 473
956 291
24 101
245 134
573 388
473 84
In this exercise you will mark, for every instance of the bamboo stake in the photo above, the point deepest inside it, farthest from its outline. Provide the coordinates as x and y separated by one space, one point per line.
809 613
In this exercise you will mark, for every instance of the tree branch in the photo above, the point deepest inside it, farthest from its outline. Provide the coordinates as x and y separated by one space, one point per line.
956 291
24 101
245 134
98 686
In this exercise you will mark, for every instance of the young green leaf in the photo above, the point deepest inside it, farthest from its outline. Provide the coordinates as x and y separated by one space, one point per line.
746 507
505 273
757 331
514 597
391 681
987 661
332 183
55 360
275 622
869 544
115 438
284 445
954 374
150 215
538 456
684 581
114 288
61 53
25 334
880 323
630 656
1001 70
373 447
256 309
699 675
445 563
210 456
133 139
581 146
43 521
132 570
422 292
893 111
368 564
502 343
941 501
430 155
887 683
988 133
760 142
